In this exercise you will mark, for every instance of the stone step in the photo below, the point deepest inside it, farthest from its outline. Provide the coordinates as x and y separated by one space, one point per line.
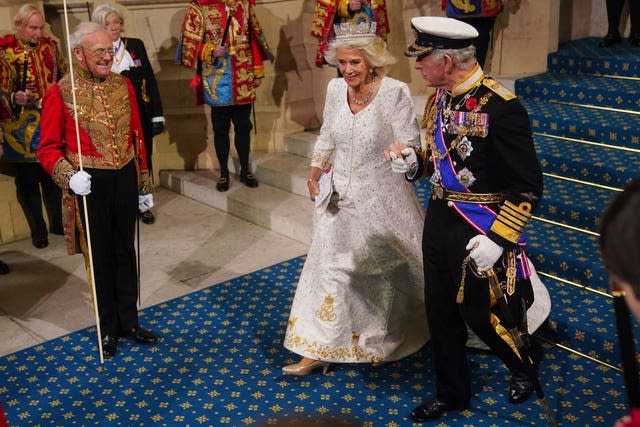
272 208
281 201
301 143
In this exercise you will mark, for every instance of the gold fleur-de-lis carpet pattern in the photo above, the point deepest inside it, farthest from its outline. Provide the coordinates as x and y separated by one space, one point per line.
218 364
219 359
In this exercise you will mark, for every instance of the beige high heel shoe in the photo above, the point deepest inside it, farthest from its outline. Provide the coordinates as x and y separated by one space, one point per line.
300 369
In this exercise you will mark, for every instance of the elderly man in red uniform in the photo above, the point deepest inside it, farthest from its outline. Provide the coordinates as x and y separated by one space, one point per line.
35 64
224 41
106 163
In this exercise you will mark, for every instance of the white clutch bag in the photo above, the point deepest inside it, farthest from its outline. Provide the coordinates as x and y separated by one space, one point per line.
325 188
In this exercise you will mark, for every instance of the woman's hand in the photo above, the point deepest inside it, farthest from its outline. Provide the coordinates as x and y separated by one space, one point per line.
396 148
314 189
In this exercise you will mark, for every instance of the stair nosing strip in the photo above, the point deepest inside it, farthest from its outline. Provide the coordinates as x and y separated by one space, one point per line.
578 353
578 181
577 285
570 227
584 141
608 76
595 107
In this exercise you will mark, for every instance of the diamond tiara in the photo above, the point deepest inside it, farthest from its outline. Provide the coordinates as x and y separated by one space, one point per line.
347 30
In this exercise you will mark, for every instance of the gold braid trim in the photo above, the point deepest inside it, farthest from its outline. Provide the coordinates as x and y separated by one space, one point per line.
62 172
511 220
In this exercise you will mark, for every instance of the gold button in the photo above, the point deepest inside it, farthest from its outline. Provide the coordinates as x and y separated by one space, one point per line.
450 203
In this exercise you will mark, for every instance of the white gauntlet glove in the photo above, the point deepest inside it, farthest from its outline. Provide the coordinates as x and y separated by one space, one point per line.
145 202
80 183
485 253
407 164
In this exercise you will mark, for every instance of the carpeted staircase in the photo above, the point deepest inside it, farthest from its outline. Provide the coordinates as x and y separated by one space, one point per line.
584 114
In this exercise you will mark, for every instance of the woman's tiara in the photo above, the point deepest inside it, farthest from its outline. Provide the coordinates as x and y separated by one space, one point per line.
348 31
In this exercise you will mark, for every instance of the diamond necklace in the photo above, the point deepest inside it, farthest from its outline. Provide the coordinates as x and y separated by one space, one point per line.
366 98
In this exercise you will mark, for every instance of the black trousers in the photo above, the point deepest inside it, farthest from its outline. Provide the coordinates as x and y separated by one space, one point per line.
445 237
112 207
614 11
221 119
33 184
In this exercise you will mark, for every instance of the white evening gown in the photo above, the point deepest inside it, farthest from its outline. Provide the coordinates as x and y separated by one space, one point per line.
360 298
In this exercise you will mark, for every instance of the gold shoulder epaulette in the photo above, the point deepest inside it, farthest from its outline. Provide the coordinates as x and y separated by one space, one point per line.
498 88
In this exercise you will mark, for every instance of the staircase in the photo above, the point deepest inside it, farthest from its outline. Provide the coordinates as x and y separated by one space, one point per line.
583 116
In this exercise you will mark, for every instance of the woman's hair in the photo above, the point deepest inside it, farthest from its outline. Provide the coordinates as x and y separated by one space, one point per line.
83 29
101 12
464 58
25 12
374 50
620 236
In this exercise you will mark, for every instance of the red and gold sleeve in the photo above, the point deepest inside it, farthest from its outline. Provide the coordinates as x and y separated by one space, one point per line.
52 149
193 27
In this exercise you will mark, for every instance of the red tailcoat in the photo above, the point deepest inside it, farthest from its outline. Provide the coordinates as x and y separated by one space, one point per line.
110 134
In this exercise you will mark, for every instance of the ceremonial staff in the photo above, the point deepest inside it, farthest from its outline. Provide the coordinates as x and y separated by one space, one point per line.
84 198
627 353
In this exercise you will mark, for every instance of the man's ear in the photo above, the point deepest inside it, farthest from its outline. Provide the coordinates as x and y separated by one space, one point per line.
77 52
448 63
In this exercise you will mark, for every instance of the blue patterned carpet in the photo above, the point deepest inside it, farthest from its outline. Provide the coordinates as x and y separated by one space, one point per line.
219 360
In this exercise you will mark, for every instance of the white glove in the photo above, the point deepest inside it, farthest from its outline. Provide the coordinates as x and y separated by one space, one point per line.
145 202
407 164
484 251
80 183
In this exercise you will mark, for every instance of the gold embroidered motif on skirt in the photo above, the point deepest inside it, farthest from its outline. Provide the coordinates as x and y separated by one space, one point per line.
326 310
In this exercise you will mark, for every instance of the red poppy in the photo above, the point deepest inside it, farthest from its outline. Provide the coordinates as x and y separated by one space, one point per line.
471 103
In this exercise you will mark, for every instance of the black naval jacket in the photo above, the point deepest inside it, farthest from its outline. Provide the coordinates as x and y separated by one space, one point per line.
498 152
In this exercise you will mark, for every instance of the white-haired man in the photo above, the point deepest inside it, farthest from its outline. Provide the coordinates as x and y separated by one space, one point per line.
486 180
114 178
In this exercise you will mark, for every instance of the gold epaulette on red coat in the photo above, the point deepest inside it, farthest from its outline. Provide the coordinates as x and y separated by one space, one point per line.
511 221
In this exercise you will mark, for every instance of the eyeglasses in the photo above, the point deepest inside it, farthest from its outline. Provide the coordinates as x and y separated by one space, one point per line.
100 51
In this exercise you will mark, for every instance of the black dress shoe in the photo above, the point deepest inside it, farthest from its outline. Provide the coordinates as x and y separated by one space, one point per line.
223 184
141 335
109 346
40 242
433 410
4 268
609 40
520 388
147 217
249 180
634 40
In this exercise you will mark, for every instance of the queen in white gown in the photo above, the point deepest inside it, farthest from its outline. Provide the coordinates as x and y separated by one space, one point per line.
360 298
